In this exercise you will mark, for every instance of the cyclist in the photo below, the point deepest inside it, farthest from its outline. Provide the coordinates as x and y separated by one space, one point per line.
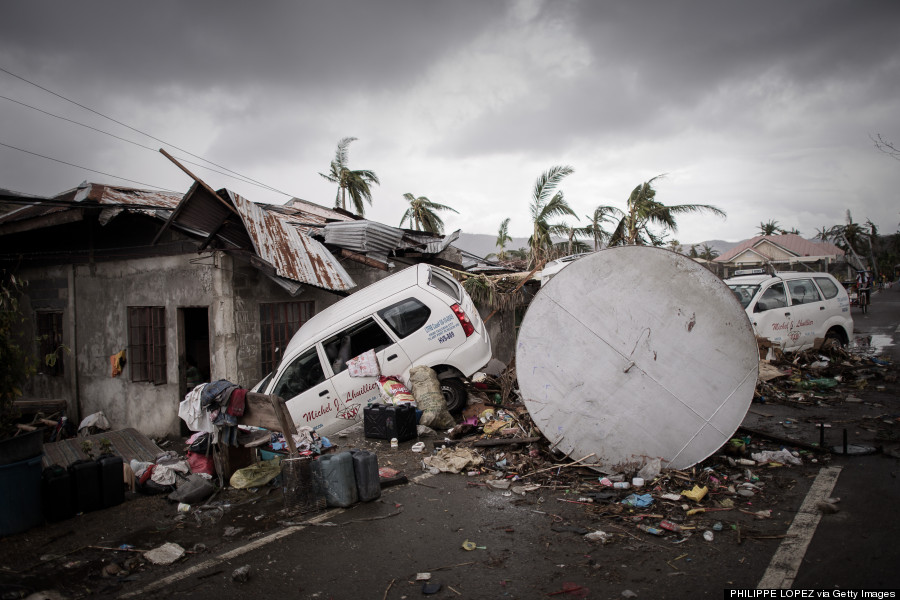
864 285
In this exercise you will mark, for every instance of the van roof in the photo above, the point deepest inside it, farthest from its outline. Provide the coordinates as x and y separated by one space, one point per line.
778 275
347 309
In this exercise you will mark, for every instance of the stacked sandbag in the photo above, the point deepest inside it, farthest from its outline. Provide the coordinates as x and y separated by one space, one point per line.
427 391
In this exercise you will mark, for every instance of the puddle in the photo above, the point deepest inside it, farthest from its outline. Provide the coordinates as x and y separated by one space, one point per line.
872 344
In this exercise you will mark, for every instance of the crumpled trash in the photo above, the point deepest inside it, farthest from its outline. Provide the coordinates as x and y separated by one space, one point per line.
241 574
598 536
165 474
97 420
638 500
780 456
256 475
697 494
650 470
453 460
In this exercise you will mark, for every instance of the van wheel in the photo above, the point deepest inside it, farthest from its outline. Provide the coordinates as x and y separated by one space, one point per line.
834 336
455 394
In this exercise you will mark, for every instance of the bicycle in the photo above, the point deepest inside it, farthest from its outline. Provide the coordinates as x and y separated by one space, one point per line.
862 295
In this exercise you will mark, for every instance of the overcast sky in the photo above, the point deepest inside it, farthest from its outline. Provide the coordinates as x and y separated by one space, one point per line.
764 109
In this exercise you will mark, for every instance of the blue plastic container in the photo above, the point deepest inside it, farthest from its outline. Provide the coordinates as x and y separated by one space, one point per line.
338 479
20 503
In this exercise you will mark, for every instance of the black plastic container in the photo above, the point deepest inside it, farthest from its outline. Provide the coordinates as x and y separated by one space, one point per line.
56 493
386 421
112 480
365 470
85 485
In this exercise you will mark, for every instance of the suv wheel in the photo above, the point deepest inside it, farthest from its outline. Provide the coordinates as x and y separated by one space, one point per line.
455 394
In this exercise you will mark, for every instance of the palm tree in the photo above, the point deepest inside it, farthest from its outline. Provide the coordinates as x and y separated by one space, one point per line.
770 228
644 211
594 228
503 238
824 234
546 205
356 184
708 253
422 214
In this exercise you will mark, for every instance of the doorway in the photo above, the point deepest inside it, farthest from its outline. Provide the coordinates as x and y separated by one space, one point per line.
193 356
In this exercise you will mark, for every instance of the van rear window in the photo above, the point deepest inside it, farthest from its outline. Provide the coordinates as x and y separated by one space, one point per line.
405 316
446 284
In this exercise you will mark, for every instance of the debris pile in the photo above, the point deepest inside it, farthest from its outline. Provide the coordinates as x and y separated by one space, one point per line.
829 375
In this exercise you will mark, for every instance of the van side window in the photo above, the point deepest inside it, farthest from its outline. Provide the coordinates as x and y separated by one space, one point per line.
405 316
353 341
305 372
803 291
827 286
773 297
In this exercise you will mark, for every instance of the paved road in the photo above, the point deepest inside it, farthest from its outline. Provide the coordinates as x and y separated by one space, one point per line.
857 547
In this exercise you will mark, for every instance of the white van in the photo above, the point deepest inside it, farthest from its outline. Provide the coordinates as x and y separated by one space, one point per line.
418 316
795 311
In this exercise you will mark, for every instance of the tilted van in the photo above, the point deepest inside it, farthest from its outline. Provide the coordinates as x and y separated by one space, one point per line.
418 316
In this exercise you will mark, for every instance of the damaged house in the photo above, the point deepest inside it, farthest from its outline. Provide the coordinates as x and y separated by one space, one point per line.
132 288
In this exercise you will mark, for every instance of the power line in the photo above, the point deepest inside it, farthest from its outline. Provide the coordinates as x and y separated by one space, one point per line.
136 130
139 145
87 169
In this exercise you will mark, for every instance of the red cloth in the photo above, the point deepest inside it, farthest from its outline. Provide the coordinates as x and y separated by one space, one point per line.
200 463
237 403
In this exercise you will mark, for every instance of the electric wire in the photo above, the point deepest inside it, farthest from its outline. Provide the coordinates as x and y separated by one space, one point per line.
240 178
40 87
87 169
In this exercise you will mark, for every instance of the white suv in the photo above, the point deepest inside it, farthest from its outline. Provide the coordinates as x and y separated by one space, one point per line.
418 316
795 311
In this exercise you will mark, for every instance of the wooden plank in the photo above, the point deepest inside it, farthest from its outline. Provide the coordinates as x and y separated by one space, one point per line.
260 411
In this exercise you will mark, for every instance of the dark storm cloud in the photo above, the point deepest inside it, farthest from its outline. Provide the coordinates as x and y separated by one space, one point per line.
349 46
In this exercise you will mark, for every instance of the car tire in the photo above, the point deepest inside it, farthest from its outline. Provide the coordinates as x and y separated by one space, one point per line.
835 335
455 394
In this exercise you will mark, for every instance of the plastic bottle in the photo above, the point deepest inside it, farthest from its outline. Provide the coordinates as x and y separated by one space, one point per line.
621 485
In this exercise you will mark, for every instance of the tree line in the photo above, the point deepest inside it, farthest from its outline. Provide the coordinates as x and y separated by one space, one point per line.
644 221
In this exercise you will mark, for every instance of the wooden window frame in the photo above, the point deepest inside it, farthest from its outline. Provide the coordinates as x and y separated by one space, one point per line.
278 322
147 344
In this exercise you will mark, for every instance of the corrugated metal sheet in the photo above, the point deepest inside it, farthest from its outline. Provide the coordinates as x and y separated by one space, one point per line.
364 236
294 254
122 198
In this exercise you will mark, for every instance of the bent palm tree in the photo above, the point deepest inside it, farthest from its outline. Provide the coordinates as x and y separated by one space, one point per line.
503 238
422 214
545 207
594 228
356 184
644 211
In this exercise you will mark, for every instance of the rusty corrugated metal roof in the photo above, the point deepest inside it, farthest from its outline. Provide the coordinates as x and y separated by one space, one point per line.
294 254
117 198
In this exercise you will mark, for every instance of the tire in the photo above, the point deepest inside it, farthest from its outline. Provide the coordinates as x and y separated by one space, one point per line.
455 394
834 334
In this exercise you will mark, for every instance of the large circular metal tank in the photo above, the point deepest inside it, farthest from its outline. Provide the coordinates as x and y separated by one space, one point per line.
634 353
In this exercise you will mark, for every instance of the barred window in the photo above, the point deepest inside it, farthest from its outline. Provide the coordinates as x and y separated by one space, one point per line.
147 343
278 322
50 335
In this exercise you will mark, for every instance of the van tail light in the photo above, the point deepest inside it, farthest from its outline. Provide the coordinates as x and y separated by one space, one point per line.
463 319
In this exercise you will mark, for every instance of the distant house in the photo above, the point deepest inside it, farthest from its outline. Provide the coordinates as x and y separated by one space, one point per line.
785 252
207 279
